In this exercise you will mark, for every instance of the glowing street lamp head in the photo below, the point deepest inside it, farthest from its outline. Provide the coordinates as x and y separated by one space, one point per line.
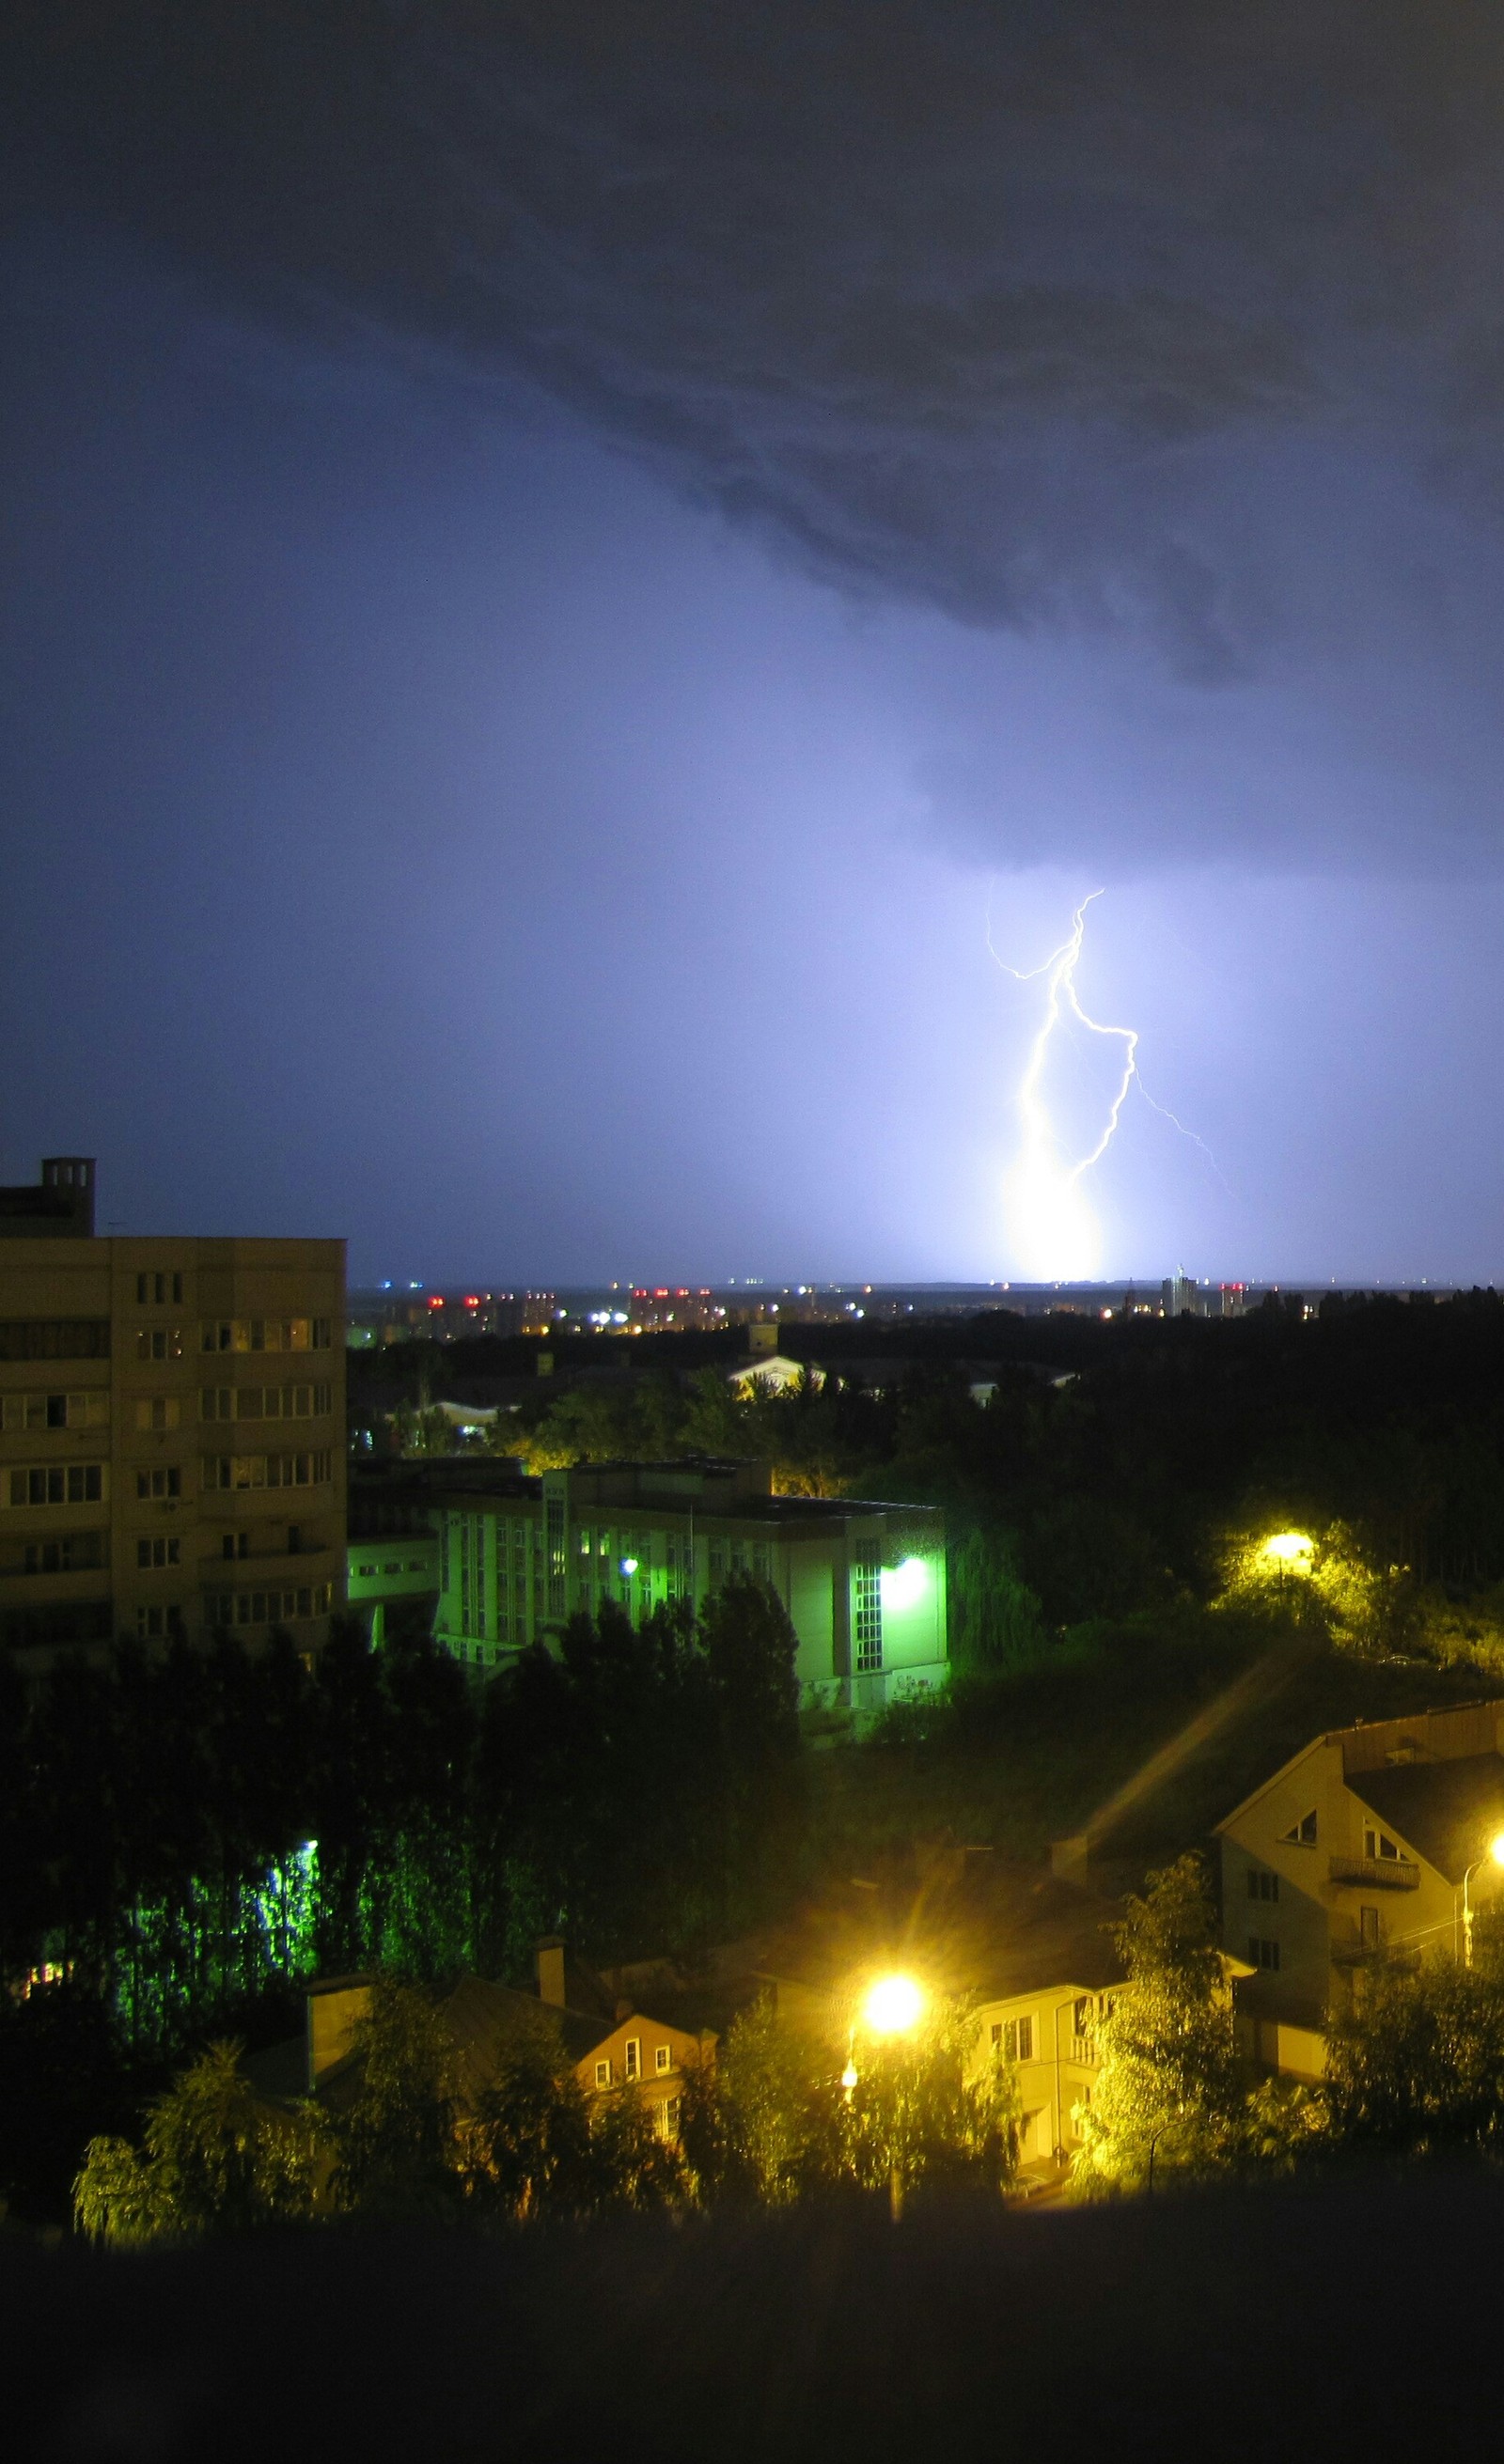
894 2006
1294 1548
1497 1847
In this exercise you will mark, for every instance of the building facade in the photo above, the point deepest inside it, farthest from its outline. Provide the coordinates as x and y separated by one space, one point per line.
863 1583
1369 1845
172 1456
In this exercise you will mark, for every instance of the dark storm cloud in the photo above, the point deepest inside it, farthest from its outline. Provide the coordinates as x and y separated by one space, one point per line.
1023 312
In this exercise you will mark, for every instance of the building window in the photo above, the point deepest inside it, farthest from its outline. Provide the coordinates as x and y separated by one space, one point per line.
1015 2039
160 1289
603 2074
662 2059
157 1412
265 1334
55 1410
264 1402
1302 1834
1262 1952
54 1338
266 1472
1079 2111
1369 1928
1262 1885
554 1516
869 1617
1382 1849
158 1553
268 1608
632 2057
159 1343
165 1481
72 1553
55 1485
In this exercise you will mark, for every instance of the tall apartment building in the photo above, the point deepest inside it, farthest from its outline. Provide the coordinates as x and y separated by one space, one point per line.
514 1557
172 1457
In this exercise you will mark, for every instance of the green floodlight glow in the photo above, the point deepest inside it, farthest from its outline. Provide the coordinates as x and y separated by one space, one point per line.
904 1586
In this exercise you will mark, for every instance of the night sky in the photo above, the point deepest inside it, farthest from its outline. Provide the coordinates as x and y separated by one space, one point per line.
564 560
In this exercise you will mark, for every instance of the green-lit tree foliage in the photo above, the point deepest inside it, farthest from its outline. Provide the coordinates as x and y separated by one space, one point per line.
996 1622
214 2158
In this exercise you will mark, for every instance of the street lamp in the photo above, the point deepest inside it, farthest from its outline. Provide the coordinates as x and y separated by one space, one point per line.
892 2006
1289 1552
1494 1854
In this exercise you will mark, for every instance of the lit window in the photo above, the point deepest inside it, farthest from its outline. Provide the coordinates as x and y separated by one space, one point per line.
159 1343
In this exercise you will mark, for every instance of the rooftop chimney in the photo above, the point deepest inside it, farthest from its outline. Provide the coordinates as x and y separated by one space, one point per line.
550 1956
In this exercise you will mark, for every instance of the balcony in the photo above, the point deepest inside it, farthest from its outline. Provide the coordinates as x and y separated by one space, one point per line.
1375 1872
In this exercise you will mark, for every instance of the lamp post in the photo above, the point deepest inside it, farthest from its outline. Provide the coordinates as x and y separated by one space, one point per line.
1289 1552
1494 1854
892 2007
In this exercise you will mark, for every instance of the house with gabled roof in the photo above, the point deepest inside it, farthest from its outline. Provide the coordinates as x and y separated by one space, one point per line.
1364 1846
608 2041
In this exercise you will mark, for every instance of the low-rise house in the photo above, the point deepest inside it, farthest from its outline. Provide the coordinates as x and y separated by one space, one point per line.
609 2044
1372 1844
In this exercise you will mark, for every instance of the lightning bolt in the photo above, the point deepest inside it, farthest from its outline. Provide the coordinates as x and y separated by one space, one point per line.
1057 1234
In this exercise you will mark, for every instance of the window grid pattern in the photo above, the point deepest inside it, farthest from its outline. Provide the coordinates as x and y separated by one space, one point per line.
868 1618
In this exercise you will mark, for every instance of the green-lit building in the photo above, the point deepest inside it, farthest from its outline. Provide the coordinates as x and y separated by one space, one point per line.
863 1582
